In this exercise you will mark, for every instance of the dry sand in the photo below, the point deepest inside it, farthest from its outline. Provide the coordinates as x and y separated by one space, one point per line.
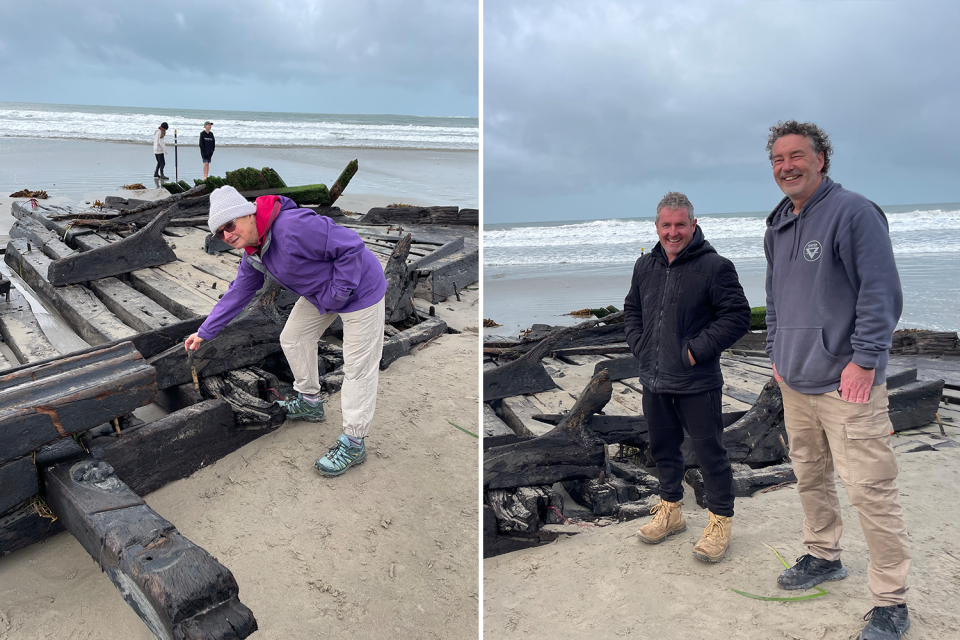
605 583
389 550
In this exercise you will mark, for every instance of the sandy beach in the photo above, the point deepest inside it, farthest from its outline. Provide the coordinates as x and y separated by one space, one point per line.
605 583
388 550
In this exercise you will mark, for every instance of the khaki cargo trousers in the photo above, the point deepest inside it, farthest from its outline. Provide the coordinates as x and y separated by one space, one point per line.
825 433
362 349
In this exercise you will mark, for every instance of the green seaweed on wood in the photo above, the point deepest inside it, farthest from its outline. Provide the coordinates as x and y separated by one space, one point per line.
758 318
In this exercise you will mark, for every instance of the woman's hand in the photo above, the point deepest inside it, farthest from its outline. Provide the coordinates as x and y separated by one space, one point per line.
193 342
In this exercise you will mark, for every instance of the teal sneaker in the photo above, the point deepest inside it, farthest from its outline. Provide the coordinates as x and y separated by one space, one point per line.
341 457
300 409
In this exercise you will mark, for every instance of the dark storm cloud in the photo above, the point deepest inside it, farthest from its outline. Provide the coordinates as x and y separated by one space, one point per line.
597 109
360 56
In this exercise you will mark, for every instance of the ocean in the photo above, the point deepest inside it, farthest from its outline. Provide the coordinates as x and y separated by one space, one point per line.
77 149
537 272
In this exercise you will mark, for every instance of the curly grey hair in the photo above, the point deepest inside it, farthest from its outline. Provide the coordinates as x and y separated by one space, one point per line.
675 200
817 137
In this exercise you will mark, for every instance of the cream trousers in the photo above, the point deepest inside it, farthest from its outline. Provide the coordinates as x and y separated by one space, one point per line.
827 433
362 349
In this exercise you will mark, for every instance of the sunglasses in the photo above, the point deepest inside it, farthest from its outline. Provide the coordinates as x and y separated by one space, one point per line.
227 228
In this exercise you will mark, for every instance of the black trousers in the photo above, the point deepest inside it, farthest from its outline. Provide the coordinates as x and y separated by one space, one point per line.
668 416
161 163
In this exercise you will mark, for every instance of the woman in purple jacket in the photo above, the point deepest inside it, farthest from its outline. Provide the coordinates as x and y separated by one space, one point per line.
334 273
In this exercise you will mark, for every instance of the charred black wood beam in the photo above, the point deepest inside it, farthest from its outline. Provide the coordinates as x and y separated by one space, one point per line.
45 402
177 588
568 452
145 248
399 286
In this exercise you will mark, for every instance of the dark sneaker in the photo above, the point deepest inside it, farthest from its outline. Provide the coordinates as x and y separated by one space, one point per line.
886 623
300 409
809 572
341 457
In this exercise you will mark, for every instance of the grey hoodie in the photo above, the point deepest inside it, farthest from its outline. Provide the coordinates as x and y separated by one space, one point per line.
833 291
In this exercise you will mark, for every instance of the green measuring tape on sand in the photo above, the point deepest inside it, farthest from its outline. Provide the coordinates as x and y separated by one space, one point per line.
820 592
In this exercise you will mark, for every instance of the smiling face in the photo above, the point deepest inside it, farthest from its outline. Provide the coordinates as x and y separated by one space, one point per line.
244 233
796 168
675 230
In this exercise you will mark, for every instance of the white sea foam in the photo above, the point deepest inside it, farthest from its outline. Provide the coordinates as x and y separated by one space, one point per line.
284 131
736 237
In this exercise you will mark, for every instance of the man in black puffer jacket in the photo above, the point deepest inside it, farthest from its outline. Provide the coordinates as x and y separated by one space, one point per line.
685 306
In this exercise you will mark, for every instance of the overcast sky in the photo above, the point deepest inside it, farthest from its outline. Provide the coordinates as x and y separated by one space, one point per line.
596 109
412 57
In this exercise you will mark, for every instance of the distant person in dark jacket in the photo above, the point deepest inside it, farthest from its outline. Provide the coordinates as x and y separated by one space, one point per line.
833 302
685 306
160 150
207 145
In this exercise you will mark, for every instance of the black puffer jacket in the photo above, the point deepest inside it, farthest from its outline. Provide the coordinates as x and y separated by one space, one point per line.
695 303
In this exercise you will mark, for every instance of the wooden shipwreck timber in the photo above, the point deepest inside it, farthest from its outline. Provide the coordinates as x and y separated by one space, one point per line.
133 282
558 398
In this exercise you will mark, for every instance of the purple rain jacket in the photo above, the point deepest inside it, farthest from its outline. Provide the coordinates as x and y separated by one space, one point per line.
307 254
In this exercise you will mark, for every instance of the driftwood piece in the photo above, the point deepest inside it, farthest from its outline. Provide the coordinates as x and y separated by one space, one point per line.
493 426
22 332
568 452
30 229
401 344
759 436
247 340
190 193
145 248
174 447
397 302
42 403
173 585
746 481
587 334
249 408
620 368
525 509
914 404
942 343
85 313
343 180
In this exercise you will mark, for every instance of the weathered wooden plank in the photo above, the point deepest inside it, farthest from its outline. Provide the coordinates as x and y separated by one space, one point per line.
442 251
568 452
493 426
22 332
89 317
914 404
171 583
42 403
524 375
165 290
193 278
30 229
18 482
247 340
132 307
152 455
145 248
23 527
401 344
462 268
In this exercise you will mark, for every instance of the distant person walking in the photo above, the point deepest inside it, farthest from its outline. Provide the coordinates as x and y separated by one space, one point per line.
160 150
207 144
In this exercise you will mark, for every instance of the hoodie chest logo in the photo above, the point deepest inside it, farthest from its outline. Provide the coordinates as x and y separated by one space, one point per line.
812 251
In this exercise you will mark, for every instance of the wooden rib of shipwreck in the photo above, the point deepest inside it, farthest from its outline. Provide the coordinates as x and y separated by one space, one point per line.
145 248
178 589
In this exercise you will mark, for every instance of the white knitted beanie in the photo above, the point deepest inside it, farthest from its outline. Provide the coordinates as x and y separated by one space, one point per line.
227 204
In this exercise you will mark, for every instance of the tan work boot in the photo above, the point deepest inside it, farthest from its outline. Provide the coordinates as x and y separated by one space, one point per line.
667 520
716 537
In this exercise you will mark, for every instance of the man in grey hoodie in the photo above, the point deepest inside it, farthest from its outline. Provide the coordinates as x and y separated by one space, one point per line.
833 301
